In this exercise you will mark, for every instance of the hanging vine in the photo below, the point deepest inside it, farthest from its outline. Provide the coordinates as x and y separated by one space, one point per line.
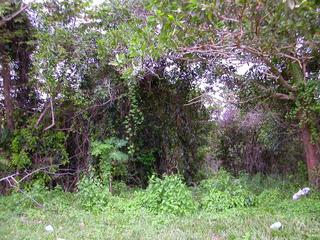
134 119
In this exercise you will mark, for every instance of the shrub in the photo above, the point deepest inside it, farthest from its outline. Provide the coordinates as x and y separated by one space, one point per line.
111 159
28 143
20 160
119 188
93 195
168 195
223 192
95 191
217 200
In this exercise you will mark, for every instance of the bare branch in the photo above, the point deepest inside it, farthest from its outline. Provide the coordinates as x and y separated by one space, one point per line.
283 96
31 198
228 49
9 177
35 171
42 115
98 105
228 19
52 116
191 103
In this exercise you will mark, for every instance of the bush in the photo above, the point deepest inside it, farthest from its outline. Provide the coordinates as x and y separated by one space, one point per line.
119 188
168 195
223 192
29 142
269 197
93 195
112 161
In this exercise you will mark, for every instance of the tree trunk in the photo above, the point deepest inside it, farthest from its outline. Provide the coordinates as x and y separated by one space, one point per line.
312 155
6 77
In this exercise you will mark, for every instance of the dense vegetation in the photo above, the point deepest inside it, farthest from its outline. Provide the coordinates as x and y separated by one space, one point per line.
159 115
221 207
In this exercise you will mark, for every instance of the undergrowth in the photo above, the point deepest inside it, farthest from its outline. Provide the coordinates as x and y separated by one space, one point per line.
221 207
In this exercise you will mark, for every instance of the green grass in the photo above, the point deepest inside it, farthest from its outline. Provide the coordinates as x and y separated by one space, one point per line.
301 220
20 220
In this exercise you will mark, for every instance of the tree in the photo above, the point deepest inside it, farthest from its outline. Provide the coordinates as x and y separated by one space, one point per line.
15 49
119 69
6 77
14 14
281 36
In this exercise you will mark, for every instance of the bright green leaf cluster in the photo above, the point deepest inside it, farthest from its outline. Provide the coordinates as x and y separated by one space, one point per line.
168 195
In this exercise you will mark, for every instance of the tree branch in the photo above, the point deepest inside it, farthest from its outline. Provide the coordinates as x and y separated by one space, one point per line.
273 69
280 96
52 116
42 115
14 15
283 96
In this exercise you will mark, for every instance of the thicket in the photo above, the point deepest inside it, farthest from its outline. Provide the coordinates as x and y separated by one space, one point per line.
171 196
120 92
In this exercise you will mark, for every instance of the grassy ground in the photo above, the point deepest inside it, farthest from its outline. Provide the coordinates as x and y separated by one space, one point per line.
19 219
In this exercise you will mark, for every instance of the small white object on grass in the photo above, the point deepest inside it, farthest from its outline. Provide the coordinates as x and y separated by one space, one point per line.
276 226
306 190
302 192
49 228
60 239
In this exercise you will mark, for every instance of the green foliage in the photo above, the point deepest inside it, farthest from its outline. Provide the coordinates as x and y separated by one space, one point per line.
33 194
146 159
268 134
270 30
24 138
93 190
5 137
223 192
38 192
307 107
125 218
93 194
110 156
302 171
127 203
162 125
168 195
269 198
119 188
134 119
4 163
20 160
58 40
28 142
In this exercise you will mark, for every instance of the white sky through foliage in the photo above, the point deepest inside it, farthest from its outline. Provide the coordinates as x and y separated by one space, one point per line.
216 94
